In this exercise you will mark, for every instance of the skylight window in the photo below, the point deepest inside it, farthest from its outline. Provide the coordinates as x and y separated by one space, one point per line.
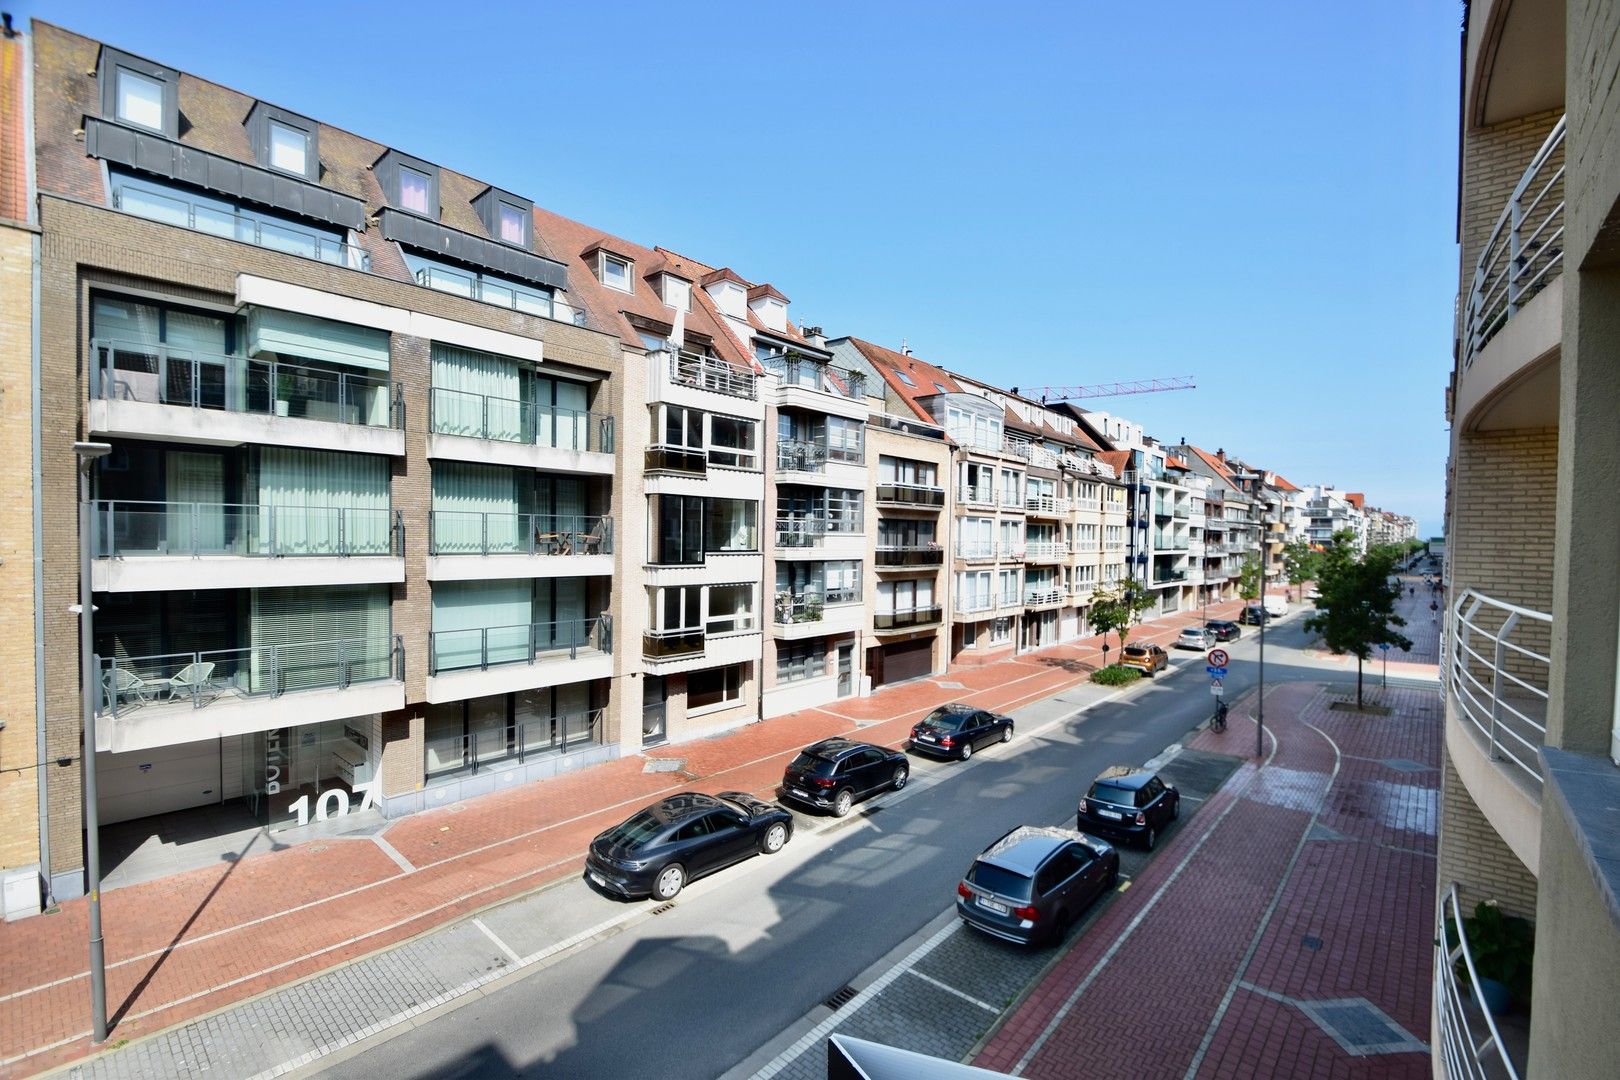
942 388
903 377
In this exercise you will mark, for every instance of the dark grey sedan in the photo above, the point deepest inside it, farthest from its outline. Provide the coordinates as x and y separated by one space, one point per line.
1033 883
658 850
958 730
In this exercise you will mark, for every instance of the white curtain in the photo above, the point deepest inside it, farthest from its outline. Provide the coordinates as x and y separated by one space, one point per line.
475 505
477 394
323 502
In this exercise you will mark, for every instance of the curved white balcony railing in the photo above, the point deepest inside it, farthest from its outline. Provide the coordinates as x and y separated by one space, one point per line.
1500 685
1525 251
1470 1044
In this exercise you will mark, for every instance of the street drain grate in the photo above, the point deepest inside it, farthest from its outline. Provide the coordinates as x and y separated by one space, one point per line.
663 764
1361 1028
661 908
840 997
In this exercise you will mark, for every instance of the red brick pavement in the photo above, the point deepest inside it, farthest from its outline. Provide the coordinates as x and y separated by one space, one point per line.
200 941
1363 887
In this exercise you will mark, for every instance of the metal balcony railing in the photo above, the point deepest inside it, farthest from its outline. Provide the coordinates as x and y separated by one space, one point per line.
200 217
1525 250
819 375
809 607
976 494
1087 506
1045 550
707 373
471 532
1470 1047
511 744
125 529
801 455
155 374
1500 685
1010 500
258 671
972 603
921 496
1037 595
800 532
473 287
976 550
494 646
479 416
1046 504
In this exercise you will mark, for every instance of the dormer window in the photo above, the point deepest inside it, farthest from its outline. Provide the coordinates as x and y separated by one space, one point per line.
512 230
615 272
289 149
677 292
410 184
140 93
284 141
509 218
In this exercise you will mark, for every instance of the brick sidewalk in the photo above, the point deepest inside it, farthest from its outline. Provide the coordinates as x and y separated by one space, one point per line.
196 942
1263 938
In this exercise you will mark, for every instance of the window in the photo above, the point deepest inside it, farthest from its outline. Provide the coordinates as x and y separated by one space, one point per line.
845 440
677 537
715 687
843 511
512 230
413 190
677 292
675 608
289 149
490 289
731 609
895 532
615 272
733 442
1007 585
1000 631
893 470
695 829
140 99
894 597
903 377
683 427
804 660
733 525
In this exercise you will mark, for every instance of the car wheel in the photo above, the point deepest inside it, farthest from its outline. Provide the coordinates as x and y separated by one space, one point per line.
1113 877
1060 928
670 880
774 839
1151 839
901 775
843 803
1175 808
1006 733
966 752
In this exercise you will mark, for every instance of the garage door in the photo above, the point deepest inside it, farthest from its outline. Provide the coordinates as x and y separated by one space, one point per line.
146 782
907 660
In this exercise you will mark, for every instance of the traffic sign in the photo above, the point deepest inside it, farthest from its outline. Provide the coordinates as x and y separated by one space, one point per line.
1218 672
1216 688
1217 658
1384 647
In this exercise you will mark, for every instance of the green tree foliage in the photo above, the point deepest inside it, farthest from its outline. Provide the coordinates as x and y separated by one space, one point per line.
1300 561
1355 601
1116 610
1249 577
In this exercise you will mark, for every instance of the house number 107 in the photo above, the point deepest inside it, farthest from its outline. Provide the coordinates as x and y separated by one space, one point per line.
333 802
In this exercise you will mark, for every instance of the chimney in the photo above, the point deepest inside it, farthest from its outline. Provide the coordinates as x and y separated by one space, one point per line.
814 336
905 347
1220 455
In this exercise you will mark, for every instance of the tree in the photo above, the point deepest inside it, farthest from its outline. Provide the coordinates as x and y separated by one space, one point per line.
1355 601
1115 611
1249 581
1300 561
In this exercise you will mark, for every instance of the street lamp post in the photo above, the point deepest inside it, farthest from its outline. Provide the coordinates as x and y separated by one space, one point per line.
87 453
1260 706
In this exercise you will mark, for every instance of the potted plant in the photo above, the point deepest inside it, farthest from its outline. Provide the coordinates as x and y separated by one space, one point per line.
1503 948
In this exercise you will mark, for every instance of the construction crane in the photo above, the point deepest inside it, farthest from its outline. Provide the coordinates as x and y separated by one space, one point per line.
1049 394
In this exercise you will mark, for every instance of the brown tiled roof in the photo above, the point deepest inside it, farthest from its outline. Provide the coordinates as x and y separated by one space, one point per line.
1355 499
1172 462
1118 460
1282 485
767 289
13 164
886 362
1214 463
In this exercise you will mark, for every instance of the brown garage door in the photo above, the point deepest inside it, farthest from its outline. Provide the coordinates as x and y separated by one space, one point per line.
906 660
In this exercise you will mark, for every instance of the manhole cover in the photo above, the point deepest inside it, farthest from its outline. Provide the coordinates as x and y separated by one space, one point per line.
663 764
1361 1028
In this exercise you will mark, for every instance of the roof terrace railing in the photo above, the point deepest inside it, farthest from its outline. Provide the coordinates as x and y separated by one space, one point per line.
708 373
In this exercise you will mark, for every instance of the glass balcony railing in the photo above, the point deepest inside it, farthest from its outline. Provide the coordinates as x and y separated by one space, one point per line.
671 644
515 297
469 532
900 620
922 496
479 416
199 679
676 459
159 375
494 646
134 529
200 217
910 555
709 373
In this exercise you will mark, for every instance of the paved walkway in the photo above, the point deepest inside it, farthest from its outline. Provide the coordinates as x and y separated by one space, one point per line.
198 942
1286 932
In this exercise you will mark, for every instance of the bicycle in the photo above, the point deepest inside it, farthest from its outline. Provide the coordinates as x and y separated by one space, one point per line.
1218 723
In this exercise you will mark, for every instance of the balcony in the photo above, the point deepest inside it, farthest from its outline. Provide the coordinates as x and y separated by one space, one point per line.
1046 551
911 496
976 551
162 700
159 546
801 456
716 376
1046 505
1470 1043
1169 577
1087 506
974 603
154 391
890 621
813 384
899 556
248 229
1039 596
671 644
681 460
976 495
503 431
818 614
517 545
507 659
1181 511
1011 500
513 296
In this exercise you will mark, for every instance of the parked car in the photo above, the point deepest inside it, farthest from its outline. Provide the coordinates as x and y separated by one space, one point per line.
1253 615
1276 606
656 851
1145 658
1224 629
833 773
958 730
1129 803
1030 885
1195 637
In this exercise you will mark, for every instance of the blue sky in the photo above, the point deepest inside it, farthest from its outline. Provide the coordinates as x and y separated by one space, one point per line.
1258 195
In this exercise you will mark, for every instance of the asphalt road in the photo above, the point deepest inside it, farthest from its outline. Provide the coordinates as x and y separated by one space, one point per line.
739 957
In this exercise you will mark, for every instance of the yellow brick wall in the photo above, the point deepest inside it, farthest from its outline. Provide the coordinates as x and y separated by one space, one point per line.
1494 160
1474 857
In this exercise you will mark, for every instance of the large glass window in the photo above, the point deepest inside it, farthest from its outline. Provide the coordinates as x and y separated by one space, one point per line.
731 609
733 441
893 532
677 530
715 687
844 511
683 427
803 660
140 99
733 525
845 440
678 607
892 470
904 596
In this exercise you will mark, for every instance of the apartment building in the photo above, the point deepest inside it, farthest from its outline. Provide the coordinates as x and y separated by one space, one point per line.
1528 815
1330 511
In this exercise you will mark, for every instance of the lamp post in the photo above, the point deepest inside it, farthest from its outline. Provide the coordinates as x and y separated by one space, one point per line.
87 453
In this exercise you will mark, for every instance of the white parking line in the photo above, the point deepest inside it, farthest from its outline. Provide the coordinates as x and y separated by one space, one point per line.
511 954
969 998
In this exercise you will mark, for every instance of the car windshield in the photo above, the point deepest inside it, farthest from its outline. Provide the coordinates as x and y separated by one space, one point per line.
1192 633
1002 882
635 832
810 763
1109 793
944 720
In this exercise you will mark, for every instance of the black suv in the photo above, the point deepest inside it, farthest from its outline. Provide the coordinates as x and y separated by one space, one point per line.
1254 615
833 773
1031 884
1128 803
1224 629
